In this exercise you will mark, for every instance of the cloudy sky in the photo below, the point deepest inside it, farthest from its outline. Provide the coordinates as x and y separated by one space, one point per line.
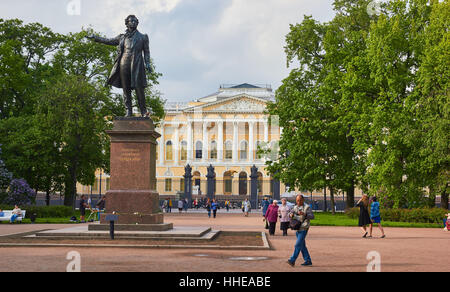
196 44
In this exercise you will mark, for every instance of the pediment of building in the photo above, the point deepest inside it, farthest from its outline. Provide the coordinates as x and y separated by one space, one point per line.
238 104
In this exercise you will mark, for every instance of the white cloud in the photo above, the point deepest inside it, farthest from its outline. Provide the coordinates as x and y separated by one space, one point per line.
196 44
114 12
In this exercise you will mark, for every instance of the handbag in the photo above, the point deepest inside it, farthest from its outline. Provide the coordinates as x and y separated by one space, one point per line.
267 224
295 224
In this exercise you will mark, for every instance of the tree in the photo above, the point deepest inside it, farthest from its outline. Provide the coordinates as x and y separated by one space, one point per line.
32 152
5 177
71 109
317 137
24 62
368 103
430 105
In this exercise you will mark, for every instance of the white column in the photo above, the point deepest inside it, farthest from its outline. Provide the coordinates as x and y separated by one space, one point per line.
266 130
205 142
161 146
189 142
251 141
235 141
176 144
220 141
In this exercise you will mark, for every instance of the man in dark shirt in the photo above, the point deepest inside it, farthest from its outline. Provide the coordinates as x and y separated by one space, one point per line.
83 207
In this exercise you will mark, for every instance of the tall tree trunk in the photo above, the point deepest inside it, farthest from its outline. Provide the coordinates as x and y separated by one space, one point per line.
444 198
47 197
333 209
325 199
71 186
351 196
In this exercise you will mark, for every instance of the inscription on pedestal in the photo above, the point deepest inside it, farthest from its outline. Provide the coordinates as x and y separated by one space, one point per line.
130 155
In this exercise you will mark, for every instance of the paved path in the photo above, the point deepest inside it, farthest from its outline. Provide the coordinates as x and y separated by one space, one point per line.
331 248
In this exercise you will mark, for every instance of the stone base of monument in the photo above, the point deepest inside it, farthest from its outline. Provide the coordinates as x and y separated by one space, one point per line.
132 227
83 232
132 196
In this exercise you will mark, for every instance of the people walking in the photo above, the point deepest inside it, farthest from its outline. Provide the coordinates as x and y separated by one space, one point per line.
283 213
194 204
303 213
264 205
214 207
272 217
186 205
364 218
208 207
83 206
246 207
170 205
375 216
227 205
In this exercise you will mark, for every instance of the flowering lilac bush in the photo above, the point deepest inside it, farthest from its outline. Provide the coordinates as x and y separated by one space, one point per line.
20 193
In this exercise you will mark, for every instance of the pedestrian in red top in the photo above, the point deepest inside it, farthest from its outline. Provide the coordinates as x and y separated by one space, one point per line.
272 217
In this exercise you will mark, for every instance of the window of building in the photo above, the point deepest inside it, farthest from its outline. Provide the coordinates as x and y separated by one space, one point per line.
198 150
183 151
168 186
228 150
182 185
259 147
169 151
228 183
244 150
213 150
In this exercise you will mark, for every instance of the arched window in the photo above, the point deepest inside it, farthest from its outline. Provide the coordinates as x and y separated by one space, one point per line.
228 183
213 154
244 150
183 151
274 149
169 151
199 150
260 183
228 150
259 147
243 184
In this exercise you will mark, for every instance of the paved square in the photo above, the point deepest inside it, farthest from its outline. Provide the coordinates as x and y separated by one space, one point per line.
331 248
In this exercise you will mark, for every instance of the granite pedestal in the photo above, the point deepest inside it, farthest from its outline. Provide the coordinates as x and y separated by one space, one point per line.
132 195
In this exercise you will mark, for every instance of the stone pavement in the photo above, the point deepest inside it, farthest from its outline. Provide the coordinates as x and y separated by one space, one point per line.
331 249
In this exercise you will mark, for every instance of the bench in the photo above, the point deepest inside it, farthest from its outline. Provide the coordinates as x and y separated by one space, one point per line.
8 214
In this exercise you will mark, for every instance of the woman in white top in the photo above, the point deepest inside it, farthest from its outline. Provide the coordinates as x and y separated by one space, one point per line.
283 213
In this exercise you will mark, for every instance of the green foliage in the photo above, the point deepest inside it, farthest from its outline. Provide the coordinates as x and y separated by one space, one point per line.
55 107
368 102
417 215
44 211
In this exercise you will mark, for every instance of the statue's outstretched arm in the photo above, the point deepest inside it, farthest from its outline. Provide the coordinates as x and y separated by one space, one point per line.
112 42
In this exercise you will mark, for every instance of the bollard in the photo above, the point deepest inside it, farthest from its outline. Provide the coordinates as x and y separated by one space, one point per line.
112 219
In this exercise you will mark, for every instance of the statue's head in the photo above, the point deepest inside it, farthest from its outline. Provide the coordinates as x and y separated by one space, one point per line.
131 22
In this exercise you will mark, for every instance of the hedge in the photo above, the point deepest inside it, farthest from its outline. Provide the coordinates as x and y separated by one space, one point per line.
422 215
44 211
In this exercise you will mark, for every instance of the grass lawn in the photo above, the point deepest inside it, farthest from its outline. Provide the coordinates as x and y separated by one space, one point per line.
63 220
322 219
340 219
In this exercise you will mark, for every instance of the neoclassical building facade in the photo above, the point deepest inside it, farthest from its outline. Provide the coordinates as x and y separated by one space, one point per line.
225 130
